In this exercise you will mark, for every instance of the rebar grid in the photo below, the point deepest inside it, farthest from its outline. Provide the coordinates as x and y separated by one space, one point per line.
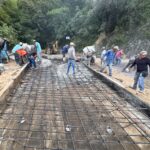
53 111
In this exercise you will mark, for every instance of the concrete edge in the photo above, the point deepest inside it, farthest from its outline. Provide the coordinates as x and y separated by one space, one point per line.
5 92
122 91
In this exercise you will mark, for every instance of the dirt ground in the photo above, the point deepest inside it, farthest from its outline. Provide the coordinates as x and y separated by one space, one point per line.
127 79
10 71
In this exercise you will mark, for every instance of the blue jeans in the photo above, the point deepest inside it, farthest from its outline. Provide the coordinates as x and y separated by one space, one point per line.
141 82
4 54
118 61
110 69
17 58
0 57
71 62
32 62
109 65
39 56
136 78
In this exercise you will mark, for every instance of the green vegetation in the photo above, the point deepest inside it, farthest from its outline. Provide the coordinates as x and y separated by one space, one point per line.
82 20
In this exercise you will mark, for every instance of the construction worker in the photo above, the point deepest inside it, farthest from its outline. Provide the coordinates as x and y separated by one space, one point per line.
65 51
103 56
4 50
71 57
38 51
118 57
19 53
109 59
88 53
142 63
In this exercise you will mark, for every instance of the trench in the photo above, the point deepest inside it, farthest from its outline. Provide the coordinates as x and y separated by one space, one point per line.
50 110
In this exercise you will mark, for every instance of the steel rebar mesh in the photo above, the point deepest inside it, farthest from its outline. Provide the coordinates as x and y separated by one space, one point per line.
53 111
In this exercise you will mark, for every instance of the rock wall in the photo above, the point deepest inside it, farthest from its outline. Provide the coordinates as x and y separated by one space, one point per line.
132 46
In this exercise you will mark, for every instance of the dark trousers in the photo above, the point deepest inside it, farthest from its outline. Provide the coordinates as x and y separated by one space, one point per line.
17 58
0 57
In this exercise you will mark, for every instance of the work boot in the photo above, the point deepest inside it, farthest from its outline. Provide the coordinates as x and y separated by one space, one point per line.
134 88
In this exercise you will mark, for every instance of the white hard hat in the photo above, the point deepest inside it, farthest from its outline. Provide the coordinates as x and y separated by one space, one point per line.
116 47
143 53
72 44
21 43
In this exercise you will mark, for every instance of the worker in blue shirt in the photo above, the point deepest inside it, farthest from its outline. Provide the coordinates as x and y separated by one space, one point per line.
14 51
110 54
4 50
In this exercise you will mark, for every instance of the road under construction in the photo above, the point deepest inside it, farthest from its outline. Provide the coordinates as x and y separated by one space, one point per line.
50 110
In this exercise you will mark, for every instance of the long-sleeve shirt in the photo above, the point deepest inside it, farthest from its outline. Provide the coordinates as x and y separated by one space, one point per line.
38 47
103 54
110 56
119 54
71 53
142 64
17 47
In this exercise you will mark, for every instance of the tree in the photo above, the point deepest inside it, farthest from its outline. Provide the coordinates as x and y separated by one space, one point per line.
82 20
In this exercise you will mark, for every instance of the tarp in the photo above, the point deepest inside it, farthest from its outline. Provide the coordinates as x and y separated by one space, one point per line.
89 49
21 52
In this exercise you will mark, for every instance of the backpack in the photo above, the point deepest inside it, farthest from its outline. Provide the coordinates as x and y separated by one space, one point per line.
65 49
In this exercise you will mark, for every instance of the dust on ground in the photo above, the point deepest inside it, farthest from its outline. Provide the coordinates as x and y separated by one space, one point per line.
11 70
127 79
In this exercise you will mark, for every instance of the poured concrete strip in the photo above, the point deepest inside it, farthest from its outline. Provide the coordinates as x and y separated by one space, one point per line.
52 57
122 91
11 85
